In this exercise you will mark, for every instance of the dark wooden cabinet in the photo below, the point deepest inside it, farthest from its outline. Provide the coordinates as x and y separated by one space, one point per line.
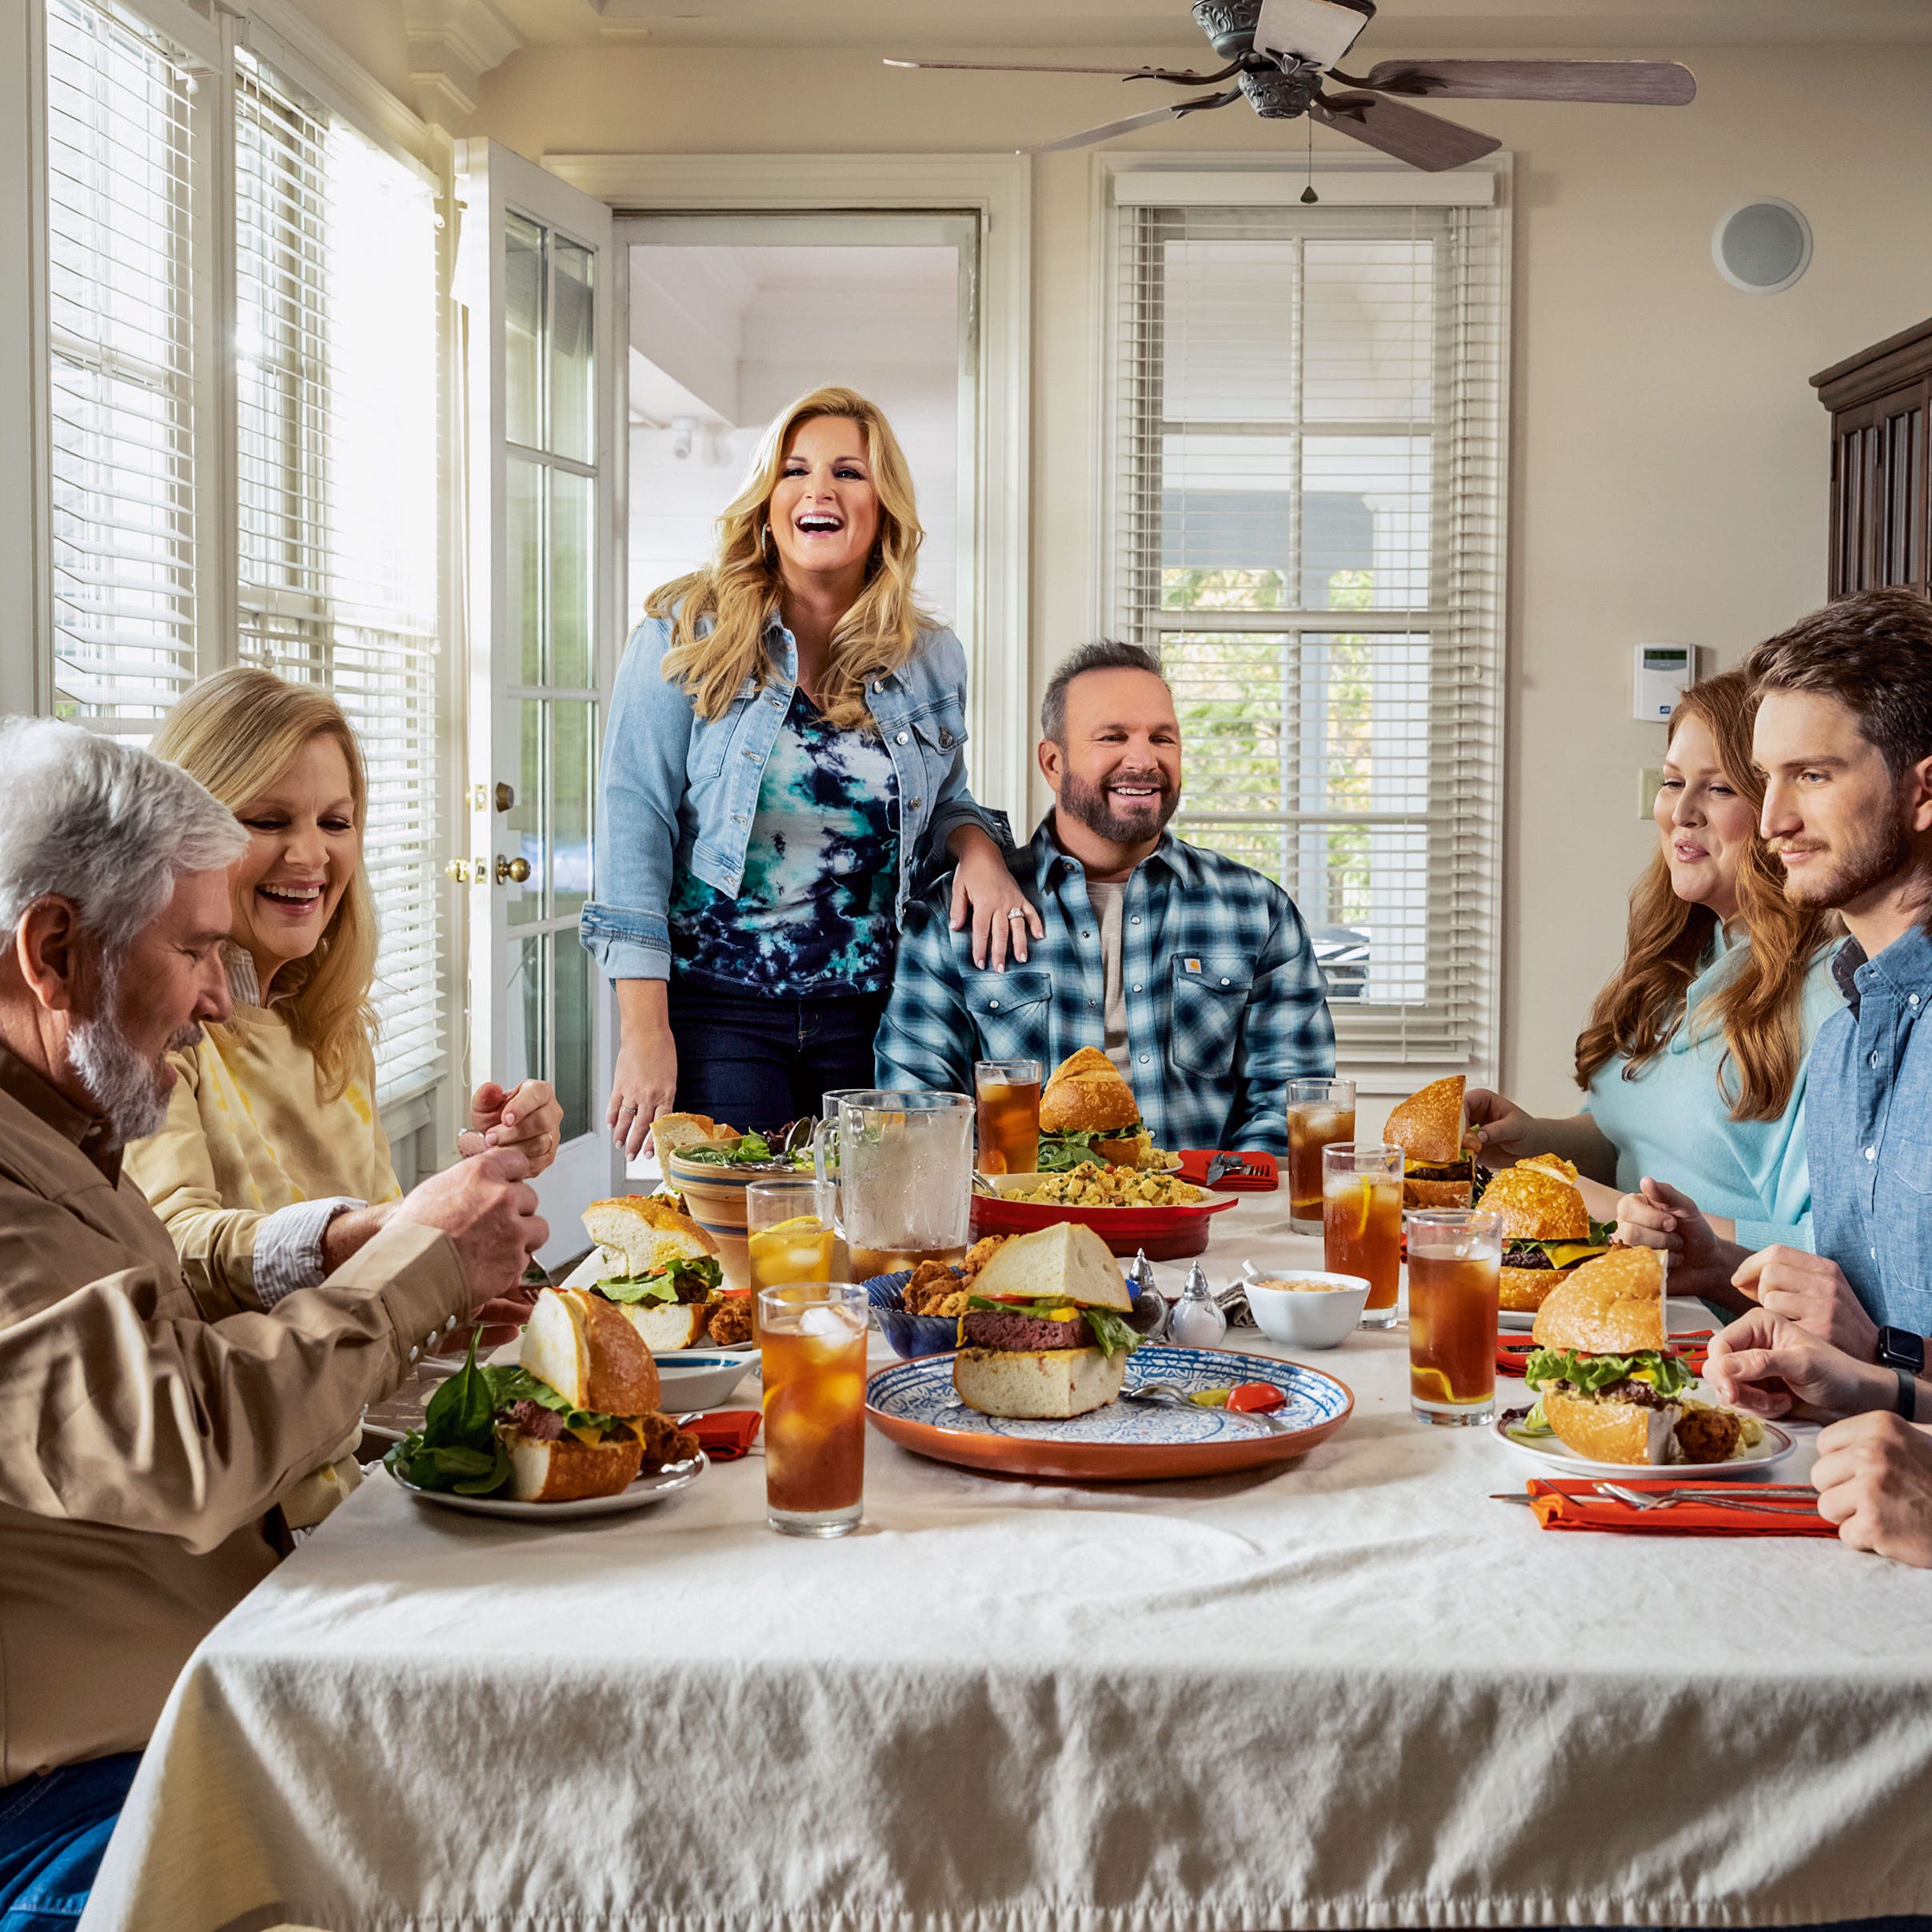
1881 405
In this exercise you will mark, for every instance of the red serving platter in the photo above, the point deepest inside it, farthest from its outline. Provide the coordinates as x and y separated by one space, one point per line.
1162 1234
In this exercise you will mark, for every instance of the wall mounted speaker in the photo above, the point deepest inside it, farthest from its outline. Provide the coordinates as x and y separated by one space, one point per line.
1762 246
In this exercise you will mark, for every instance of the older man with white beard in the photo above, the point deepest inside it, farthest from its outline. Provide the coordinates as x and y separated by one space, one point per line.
144 1450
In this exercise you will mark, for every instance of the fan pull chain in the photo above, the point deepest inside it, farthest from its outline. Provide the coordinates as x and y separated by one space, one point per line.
1308 194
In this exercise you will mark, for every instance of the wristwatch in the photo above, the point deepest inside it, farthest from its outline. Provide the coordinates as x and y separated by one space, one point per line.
1904 1353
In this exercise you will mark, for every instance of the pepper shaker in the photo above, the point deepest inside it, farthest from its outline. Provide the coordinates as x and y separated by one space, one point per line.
1197 1320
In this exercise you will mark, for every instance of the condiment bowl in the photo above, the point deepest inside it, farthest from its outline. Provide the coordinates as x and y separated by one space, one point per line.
1322 1316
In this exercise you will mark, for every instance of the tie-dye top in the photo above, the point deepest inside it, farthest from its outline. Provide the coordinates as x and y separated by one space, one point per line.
814 913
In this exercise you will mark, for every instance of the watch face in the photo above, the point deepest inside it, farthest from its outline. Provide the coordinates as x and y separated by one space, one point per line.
1900 1348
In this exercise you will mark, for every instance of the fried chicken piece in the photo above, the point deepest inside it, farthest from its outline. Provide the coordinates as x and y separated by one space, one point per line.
931 1283
1706 1434
981 1252
731 1321
664 1442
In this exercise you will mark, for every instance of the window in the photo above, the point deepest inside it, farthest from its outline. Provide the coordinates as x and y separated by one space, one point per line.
120 341
1308 527
336 378
330 485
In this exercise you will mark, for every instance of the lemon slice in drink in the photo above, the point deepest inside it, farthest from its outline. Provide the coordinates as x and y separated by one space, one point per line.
1429 1385
1368 1196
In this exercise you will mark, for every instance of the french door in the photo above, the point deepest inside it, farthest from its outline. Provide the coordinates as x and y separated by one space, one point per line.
537 275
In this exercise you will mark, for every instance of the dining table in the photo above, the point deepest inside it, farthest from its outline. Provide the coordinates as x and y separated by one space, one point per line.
1351 1689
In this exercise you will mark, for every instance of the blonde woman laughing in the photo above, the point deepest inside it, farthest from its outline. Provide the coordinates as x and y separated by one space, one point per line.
784 769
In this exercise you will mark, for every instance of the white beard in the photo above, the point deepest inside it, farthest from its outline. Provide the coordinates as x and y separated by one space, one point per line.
128 1090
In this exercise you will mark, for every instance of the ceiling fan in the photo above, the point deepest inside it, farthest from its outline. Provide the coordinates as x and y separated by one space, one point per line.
1280 52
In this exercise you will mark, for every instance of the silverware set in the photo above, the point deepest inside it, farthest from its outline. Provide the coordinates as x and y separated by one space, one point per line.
1224 1164
1763 1499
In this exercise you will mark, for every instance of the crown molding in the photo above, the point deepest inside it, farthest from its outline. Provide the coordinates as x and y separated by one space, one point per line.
452 44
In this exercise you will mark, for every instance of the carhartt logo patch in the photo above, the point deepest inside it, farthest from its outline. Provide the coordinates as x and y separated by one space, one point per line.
1190 965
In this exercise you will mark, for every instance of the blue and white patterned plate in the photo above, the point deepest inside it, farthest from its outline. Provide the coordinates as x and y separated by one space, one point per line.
915 1404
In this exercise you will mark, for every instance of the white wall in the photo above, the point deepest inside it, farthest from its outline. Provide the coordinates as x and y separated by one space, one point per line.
1669 462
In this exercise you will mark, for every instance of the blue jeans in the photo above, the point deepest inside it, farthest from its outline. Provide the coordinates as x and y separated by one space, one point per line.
53 1831
758 1062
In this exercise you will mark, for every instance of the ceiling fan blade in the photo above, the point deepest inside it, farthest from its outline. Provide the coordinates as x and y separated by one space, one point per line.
1423 140
1318 30
1087 138
1184 78
1635 83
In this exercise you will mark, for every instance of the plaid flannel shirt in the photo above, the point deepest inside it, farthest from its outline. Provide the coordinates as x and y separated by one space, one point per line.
1225 1002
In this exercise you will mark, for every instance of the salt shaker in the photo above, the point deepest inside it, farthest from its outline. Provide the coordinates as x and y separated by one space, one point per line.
1197 1320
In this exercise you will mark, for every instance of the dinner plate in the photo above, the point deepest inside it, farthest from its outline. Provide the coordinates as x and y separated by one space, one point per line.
641 1493
1561 1460
1683 1313
914 1404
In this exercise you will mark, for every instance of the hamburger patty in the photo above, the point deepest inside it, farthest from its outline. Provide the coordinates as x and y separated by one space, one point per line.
990 1328
533 1418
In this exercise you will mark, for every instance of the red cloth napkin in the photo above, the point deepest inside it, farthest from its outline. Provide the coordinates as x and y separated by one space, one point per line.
1194 1167
725 1434
1576 1505
1513 1351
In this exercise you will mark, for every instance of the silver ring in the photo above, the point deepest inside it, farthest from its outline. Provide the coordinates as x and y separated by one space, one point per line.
1017 912
629 1107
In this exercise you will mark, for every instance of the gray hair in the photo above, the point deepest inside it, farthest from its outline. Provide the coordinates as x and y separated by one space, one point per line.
1104 654
104 826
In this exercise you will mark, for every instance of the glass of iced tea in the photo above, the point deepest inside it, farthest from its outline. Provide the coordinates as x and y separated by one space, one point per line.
790 1231
811 1357
1361 1223
1455 1257
1320 1112
1007 1091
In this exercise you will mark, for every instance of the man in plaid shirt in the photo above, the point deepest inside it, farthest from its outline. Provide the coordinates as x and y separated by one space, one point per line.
1193 973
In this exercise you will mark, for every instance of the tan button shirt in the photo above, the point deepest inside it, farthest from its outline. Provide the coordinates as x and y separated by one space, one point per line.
141 1445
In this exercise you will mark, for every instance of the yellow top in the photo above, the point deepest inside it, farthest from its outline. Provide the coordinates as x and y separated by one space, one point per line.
247 1134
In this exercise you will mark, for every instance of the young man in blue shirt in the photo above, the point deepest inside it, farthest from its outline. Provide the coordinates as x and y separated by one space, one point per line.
1844 736
1192 972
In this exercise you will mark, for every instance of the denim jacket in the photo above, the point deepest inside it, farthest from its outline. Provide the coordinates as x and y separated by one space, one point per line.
676 787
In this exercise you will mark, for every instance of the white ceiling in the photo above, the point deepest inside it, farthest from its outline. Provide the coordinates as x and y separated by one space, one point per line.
1163 26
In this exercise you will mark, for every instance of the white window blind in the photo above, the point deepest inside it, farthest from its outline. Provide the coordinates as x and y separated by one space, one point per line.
122 353
1308 527
336 374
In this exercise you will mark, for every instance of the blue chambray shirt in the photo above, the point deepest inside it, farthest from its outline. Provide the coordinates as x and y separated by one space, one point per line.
1868 1115
1225 1002
677 790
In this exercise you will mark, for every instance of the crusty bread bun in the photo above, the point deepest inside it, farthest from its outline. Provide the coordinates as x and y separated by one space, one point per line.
667 1325
1538 1203
1428 1125
1085 1094
1051 1384
583 1348
1066 1262
640 1234
562 1470
1613 1306
1610 1432
1523 1291
671 1132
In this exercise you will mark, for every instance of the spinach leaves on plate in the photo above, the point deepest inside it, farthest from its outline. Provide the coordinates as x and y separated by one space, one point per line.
456 1448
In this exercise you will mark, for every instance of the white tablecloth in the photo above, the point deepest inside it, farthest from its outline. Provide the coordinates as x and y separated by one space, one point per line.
1353 1693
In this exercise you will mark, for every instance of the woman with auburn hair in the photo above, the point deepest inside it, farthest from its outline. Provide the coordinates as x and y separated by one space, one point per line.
1692 1137
783 770
273 1168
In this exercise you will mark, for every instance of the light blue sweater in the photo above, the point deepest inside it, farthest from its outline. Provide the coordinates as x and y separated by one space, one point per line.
1673 1122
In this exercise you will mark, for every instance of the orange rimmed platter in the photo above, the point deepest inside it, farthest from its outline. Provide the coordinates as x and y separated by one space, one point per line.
913 1403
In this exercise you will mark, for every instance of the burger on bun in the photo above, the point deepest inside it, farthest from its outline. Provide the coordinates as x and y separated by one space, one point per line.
1437 1170
1606 1384
1547 1233
1045 1332
1087 1112
658 1266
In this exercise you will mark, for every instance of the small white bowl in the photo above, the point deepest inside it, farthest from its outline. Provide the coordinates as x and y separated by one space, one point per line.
1323 1317
701 1378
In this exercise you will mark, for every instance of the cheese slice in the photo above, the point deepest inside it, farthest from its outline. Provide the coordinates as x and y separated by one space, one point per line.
1567 1254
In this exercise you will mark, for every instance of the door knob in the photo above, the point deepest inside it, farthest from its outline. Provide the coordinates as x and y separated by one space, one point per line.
518 869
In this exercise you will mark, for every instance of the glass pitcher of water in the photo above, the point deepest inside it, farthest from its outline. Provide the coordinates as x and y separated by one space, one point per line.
905 1166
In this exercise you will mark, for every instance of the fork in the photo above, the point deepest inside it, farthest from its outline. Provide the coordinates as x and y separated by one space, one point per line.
1171 1395
1669 1498
1223 1164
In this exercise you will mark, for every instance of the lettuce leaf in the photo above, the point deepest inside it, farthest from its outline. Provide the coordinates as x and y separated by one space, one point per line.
663 1285
1668 1374
456 1447
1062 1153
511 1383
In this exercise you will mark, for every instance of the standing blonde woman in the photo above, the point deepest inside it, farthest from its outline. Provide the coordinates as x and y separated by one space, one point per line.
784 769
1692 1137
273 1168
